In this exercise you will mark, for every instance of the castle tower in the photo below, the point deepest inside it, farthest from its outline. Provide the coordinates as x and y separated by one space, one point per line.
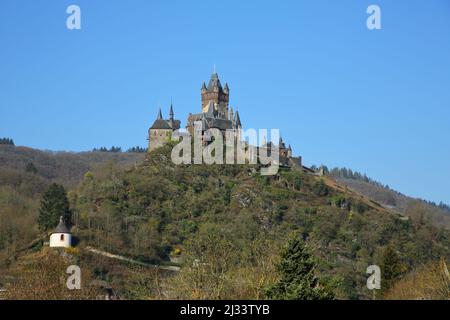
161 131
217 95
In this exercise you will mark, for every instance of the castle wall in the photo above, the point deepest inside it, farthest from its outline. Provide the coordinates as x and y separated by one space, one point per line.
158 138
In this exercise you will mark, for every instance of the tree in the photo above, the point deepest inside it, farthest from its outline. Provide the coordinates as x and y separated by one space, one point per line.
31 168
137 149
7 141
391 268
320 188
54 204
297 275
209 258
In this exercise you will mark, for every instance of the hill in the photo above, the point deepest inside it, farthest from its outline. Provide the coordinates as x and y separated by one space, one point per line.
228 222
438 214
66 168
26 173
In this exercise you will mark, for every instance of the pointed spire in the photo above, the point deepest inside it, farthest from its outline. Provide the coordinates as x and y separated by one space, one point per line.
171 114
238 120
159 117
204 86
226 89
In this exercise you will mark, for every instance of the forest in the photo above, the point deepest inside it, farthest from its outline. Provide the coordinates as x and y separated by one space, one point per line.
234 233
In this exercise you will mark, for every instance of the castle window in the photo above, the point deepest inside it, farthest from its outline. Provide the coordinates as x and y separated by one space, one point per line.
62 237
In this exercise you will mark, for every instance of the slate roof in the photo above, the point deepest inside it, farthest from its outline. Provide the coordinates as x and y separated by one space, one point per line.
164 124
214 82
160 124
212 122
237 119
62 227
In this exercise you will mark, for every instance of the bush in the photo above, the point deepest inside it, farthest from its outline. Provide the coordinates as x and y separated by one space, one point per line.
320 189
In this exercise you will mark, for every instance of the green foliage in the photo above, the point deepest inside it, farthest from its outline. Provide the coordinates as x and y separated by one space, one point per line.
309 211
54 204
104 149
151 208
320 189
137 149
341 202
31 168
297 182
361 207
298 280
391 268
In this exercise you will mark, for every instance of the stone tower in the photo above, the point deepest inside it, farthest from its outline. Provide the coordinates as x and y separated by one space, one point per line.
161 131
217 95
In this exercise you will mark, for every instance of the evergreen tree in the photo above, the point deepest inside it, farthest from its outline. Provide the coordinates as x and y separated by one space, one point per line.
297 275
391 268
54 204
7 141
31 168
320 188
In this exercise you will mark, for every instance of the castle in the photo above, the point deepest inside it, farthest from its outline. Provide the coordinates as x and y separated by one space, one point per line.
215 113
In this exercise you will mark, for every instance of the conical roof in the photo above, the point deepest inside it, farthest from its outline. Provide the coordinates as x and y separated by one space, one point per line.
62 226
214 82
238 119
159 117
160 124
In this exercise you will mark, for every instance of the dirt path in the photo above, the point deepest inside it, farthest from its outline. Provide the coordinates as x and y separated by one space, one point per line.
122 258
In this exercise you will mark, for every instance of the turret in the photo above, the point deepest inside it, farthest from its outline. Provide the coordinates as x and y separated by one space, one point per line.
237 120
171 112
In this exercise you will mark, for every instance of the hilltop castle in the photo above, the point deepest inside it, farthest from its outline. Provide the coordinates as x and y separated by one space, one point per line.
215 113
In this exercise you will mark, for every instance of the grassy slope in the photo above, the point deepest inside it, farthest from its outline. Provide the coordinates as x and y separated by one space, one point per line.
156 207
399 202
21 191
66 168
146 211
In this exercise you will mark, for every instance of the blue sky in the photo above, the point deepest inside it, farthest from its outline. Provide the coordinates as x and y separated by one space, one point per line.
375 101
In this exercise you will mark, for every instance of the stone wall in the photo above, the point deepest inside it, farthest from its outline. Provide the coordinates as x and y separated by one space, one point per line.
158 138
